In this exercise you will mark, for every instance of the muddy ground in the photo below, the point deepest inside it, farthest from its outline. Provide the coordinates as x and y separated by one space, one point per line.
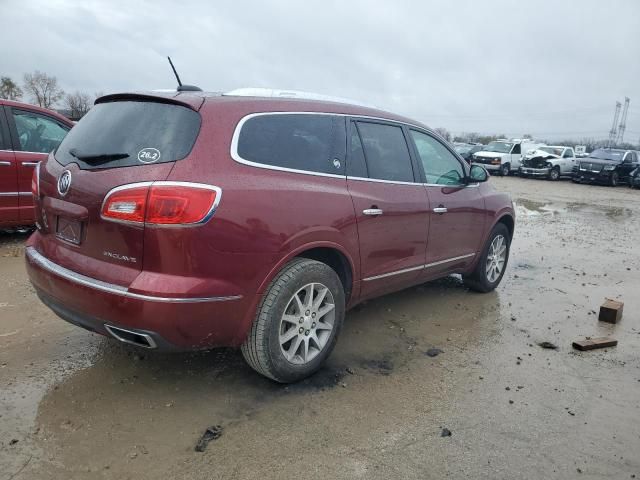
76 405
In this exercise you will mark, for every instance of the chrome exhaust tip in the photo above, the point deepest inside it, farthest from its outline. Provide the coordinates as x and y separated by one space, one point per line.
132 337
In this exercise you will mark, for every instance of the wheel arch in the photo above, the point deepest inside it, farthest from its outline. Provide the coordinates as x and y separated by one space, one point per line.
329 253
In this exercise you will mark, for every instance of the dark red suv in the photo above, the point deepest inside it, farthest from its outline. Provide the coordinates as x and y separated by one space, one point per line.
191 220
27 135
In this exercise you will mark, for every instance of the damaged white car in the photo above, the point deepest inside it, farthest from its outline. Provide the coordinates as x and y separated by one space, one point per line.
550 162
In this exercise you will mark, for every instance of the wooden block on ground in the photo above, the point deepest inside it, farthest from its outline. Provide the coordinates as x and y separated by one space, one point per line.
593 343
610 311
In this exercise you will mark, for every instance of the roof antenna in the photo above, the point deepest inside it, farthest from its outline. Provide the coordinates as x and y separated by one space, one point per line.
181 87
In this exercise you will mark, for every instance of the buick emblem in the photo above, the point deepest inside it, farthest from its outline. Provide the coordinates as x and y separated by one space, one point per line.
64 183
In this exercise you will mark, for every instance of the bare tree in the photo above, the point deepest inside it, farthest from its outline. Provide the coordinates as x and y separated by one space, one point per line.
444 133
42 88
9 90
79 103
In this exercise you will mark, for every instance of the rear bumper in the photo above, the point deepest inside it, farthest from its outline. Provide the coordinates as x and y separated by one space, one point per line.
537 172
172 323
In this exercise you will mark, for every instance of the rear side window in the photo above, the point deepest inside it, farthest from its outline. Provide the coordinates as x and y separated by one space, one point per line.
386 152
128 133
313 143
37 133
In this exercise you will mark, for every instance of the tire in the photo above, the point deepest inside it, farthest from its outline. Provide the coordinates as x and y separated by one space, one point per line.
505 169
479 279
262 349
614 180
554 174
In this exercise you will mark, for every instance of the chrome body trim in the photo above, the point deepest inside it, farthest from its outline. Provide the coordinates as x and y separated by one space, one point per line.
51 267
29 164
4 163
419 267
14 194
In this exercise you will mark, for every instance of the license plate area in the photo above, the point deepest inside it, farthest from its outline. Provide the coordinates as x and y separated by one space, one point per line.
69 230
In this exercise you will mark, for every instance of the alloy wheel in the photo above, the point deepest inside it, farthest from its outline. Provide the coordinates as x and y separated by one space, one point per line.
307 322
496 258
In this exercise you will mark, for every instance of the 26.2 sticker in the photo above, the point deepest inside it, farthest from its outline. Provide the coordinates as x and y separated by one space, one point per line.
149 155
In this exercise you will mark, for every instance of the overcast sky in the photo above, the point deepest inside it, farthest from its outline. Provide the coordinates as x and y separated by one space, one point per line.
550 68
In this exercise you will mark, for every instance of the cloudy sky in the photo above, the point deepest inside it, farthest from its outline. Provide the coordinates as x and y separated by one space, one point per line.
550 68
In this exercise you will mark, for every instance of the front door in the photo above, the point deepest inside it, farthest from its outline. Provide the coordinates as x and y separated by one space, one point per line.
391 207
456 226
9 203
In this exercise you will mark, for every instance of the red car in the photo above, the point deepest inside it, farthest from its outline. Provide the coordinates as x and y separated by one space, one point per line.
27 134
192 220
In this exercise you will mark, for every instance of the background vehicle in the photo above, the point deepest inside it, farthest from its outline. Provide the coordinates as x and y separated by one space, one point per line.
27 134
551 162
609 166
634 176
192 220
503 156
466 150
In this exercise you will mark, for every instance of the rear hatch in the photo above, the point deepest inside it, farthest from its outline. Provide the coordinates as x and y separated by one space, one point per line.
124 139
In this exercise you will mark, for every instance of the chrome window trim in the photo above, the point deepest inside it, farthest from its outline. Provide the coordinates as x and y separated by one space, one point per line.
80 279
236 136
127 186
378 180
419 267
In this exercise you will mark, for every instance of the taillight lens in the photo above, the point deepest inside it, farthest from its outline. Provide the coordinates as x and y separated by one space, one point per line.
35 181
161 203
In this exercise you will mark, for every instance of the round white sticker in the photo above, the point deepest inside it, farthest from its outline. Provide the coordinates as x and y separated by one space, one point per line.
149 155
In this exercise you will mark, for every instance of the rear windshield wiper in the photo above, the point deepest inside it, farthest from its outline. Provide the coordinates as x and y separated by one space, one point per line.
97 158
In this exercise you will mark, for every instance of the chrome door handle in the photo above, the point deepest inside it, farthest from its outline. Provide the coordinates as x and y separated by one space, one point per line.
30 164
372 211
5 164
440 210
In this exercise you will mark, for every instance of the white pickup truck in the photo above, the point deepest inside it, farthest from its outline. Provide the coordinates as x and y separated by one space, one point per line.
550 162
503 156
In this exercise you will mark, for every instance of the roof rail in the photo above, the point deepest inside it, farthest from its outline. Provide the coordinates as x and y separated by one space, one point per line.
276 93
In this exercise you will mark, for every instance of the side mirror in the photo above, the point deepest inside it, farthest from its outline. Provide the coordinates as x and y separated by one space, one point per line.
478 174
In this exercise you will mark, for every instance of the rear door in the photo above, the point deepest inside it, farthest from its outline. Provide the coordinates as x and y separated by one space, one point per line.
457 213
391 206
115 144
34 135
9 194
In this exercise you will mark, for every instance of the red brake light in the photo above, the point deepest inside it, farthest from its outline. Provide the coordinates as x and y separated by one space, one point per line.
161 203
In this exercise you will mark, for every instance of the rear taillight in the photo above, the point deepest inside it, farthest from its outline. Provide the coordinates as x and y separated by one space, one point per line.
161 203
35 181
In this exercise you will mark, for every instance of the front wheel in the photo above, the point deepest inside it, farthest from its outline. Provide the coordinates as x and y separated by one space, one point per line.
492 262
297 323
554 174
614 180
505 169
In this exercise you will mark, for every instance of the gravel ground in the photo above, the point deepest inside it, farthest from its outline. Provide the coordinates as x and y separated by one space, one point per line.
408 369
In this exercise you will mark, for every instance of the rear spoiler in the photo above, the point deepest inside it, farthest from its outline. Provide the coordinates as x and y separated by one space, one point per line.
189 100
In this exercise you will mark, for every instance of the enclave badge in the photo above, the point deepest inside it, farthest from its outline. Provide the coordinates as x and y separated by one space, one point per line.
64 183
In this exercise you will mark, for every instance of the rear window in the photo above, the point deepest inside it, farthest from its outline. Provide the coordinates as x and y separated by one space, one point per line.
128 133
314 143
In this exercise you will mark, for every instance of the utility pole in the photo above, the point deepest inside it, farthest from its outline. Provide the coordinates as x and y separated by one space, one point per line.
623 121
612 132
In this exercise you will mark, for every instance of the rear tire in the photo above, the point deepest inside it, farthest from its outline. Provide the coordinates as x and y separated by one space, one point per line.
505 169
492 262
291 336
